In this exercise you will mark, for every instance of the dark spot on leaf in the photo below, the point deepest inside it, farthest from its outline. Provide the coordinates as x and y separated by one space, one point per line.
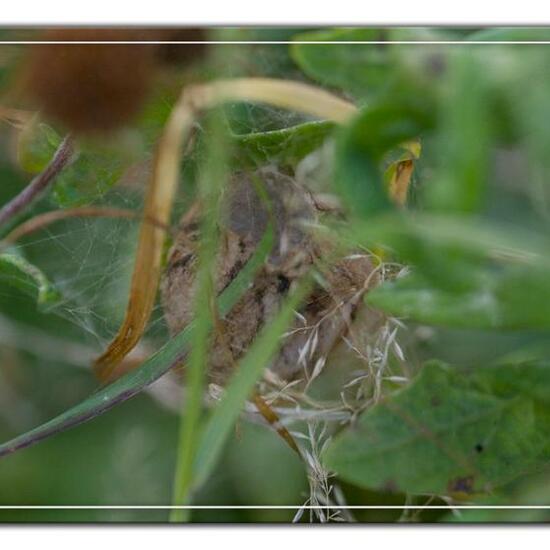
462 485
390 486
435 401
479 448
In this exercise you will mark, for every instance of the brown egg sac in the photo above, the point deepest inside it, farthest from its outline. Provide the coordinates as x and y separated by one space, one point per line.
326 314
97 88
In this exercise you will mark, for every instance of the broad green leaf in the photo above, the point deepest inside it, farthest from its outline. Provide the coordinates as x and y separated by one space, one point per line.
491 277
510 299
361 147
450 432
151 370
368 71
18 272
468 246
516 77
284 147
361 69
531 493
401 231
512 34
465 132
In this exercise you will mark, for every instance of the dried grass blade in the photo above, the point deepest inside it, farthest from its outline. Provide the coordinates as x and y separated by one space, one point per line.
146 274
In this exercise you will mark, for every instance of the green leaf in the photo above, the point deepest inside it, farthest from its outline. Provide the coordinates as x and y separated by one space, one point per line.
361 69
18 272
36 146
89 177
492 276
369 71
465 137
361 146
470 247
284 147
450 432
402 231
511 299
210 184
512 34
151 370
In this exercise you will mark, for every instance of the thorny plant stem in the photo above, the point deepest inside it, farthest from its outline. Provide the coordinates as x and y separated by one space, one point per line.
40 183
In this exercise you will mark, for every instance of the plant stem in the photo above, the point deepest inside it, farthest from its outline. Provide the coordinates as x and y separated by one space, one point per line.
210 187
43 220
40 183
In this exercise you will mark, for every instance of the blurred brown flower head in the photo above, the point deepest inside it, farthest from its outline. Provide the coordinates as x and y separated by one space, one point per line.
97 88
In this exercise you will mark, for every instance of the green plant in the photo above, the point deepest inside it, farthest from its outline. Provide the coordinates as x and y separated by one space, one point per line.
437 389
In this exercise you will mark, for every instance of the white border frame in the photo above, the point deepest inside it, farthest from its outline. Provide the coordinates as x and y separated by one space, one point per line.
280 507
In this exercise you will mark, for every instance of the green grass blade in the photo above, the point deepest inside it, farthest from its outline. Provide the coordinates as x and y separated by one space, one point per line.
106 398
151 370
210 189
250 369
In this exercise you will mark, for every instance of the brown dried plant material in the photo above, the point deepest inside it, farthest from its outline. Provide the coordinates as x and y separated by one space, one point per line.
180 55
90 88
147 267
97 88
328 311
400 173
399 185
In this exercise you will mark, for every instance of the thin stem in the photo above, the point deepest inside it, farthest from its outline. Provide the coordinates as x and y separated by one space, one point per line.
47 218
40 183
210 186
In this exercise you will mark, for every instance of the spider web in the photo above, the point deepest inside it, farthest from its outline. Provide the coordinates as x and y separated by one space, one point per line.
90 261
